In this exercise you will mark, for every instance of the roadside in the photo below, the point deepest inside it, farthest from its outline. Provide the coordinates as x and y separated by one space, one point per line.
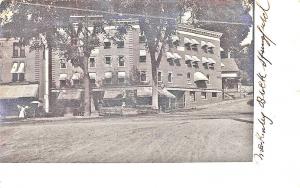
18 121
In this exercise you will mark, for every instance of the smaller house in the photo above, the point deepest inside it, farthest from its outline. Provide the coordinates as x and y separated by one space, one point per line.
231 82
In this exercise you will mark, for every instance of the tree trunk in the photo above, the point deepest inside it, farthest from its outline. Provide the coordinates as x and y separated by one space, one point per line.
155 105
87 88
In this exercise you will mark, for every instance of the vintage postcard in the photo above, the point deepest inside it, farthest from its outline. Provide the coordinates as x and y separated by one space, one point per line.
210 87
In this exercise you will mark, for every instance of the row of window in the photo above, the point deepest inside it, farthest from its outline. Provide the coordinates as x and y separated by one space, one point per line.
92 62
108 44
203 95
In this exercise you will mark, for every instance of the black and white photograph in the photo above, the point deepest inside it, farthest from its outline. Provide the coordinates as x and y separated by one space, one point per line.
126 81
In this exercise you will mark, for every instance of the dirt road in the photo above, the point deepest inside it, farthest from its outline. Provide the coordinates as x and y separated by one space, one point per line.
217 133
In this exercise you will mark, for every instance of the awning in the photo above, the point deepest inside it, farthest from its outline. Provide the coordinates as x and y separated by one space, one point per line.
113 94
188 58
63 76
187 41
92 75
221 49
195 42
175 38
211 61
143 53
69 95
121 74
210 45
170 55
76 76
164 92
222 65
147 92
21 68
18 91
203 44
199 76
205 60
196 59
108 75
106 40
14 68
177 56
229 75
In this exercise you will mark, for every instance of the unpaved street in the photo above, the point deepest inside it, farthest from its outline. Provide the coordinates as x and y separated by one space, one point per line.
216 133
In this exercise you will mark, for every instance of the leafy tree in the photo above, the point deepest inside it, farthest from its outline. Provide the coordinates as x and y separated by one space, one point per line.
48 26
157 27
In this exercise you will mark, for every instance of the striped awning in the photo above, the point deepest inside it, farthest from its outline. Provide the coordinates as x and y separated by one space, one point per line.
203 44
143 53
169 55
199 76
92 75
69 95
188 58
196 59
211 61
147 92
121 74
113 94
177 56
18 91
205 60
63 76
194 42
108 75
14 68
76 76
21 68
187 41
210 45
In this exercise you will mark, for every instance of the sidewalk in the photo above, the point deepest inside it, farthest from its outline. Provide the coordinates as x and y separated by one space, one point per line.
14 119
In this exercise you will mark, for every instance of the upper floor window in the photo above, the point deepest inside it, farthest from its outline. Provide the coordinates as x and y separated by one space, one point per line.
92 62
108 77
63 64
143 76
18 49
170 77
18 71
108 60
143 56
107 44
214 94
188 76
159 76
203 95
121 61
120 44
193 96
121 77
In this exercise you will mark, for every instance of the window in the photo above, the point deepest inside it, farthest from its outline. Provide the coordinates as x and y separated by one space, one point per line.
63 64
170 77
120 44
143 76
203 95
107 44
92 81
143 59
17 72
121 77
76 82
193 96
108 60
18 49
187 46
159 76
214 94
142 39
108 77
92 62
188 76
62 83
195 47
121 61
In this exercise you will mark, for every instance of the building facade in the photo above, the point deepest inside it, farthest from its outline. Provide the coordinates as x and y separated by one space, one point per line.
189 74
21 76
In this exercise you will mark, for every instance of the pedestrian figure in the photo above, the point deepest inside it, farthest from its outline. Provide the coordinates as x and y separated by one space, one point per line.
22 113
